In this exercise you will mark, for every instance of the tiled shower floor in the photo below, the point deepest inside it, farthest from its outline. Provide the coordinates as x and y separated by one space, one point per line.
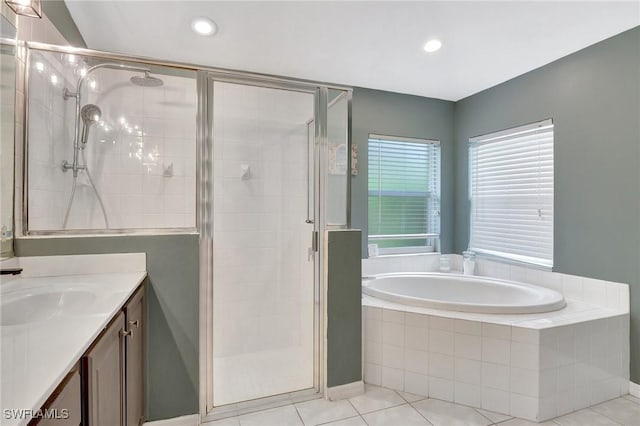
380 406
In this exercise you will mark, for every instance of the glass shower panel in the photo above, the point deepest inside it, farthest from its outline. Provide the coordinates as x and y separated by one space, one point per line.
263 276
338 175
137 167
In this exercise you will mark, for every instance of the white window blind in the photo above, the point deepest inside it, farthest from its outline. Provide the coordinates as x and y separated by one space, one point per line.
511 191
404 193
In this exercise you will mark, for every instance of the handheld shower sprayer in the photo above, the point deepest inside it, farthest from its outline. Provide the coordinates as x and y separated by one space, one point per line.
90 115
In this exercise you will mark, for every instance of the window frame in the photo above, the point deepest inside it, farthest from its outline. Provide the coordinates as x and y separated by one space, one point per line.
503 256
429 236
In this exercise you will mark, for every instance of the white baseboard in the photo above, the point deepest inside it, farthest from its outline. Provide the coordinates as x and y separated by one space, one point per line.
191 420
345 391
634 389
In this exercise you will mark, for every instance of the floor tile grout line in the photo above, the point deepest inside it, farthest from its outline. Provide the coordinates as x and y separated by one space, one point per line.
509 419
409 402
400 395
353 406
389 407
379 409
420 413
632 398
491 421
357 411
602 414
594 411
298 412
333 421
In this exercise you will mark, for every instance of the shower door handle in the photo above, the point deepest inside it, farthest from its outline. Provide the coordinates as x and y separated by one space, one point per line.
311 251
314 241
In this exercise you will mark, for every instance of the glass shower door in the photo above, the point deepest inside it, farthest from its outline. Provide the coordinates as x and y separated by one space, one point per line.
263 272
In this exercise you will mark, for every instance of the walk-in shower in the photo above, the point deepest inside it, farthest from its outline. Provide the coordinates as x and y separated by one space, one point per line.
268 160
279 179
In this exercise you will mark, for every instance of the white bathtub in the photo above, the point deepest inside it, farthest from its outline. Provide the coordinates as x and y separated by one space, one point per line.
454 292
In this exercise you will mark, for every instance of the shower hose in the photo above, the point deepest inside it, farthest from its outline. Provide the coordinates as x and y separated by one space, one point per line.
95 190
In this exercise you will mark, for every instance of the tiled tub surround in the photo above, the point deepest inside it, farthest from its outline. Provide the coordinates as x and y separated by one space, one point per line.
534 366
142 155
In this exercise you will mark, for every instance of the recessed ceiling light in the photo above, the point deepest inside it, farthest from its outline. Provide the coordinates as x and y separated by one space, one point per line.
204 26
432 45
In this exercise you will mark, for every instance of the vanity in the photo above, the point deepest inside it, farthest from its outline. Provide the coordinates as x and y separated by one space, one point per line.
72 340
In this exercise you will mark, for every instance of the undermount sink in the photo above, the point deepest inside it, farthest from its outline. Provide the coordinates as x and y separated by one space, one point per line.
39 306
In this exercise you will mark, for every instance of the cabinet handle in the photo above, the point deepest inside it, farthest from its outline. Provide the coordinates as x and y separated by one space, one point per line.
135 323
126 333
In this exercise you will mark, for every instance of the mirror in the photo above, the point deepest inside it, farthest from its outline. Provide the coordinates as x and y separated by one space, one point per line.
7 106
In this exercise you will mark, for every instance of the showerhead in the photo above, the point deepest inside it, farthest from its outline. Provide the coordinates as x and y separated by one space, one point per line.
146 80
90 114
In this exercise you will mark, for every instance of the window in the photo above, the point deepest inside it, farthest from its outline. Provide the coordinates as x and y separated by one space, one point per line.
404 194
511 191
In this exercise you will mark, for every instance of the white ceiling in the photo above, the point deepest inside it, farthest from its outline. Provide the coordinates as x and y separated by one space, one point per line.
368 44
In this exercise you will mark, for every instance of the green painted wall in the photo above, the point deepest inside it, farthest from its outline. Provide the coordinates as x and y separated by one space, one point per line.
593 97
172 310
344 308
395 114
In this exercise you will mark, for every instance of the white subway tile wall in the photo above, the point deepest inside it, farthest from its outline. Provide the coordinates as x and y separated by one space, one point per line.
401 263
141 154
263 276
536 374
603 293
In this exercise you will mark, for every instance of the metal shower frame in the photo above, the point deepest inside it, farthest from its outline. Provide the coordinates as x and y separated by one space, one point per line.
205 76
241 77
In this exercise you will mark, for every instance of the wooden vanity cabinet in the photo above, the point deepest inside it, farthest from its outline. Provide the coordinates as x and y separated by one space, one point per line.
65 403
102 370
134 365
113 370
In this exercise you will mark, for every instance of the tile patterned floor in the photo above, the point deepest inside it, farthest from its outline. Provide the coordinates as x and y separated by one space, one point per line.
379 406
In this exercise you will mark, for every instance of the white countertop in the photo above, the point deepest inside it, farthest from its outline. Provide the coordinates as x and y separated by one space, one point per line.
37 356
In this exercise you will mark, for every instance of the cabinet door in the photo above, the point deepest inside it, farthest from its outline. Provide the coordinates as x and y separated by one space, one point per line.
66 404
134 313
103 372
